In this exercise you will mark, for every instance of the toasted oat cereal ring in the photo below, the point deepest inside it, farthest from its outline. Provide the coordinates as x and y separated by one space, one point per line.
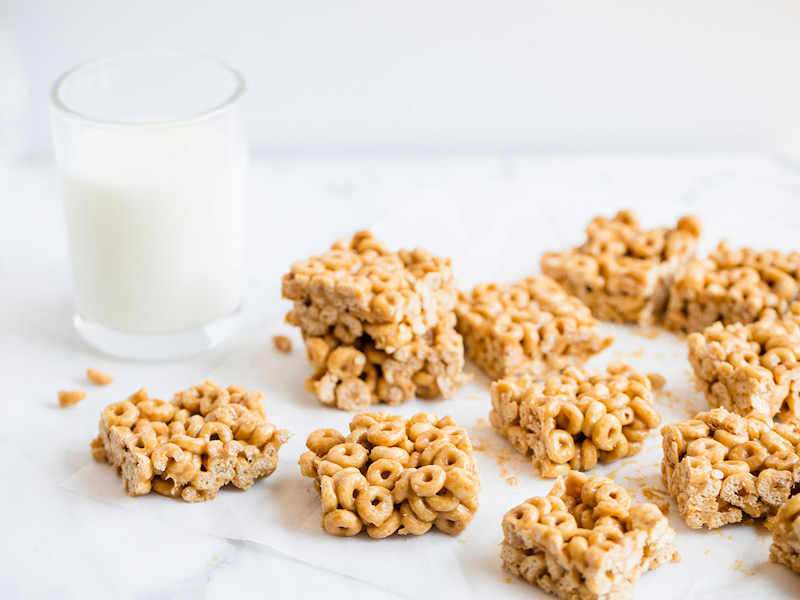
421 508
709 448
443 501
605 432
121 414
449 457
189 443
322 440
349 487
428 480
781 460
216 431
411 523
329 468
454 521
374 505
165 453
464 484
348 454
384 472
732 467
728 439
387 528
388 433
523 517
328 497
570 418
560 446
752 452
390 453
341 522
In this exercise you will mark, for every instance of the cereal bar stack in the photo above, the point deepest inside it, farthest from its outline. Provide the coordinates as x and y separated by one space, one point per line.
586 539
207 437
720 466
576 418
529 328
623 272
378 326
732 286
752 367
394 474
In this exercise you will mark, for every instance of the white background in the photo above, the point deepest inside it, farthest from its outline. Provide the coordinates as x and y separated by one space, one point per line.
445 75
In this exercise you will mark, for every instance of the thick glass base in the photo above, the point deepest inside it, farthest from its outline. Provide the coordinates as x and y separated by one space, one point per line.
158 347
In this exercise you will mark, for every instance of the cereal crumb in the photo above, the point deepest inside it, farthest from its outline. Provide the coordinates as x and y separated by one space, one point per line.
512 481
282 343
656 380
738 565
508 580
98 377
70 398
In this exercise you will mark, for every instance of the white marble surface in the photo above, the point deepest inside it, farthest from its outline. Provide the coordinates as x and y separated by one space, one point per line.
55 543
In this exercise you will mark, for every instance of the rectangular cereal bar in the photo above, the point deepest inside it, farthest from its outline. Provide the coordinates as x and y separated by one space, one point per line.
586 540
721 467
531 327
785 548
576 418
622 272
732 286
750 367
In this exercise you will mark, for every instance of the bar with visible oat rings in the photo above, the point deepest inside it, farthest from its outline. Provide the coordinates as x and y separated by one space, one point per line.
721 467
394 474
206 438
732 286
378 326
753 367
576 418
586 539
532 327
785 548
622 272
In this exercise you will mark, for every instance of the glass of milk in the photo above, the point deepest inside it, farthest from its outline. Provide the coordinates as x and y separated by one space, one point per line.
152 158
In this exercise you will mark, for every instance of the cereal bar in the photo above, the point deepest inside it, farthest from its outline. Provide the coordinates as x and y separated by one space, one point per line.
721 467
785 548
532 327
576 418
586 539
750 367
394 474
623 272
207 437
732 286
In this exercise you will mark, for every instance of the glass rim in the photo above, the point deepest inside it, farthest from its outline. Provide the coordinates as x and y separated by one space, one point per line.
62 108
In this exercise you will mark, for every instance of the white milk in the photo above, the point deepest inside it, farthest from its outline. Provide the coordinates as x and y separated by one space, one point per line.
156 223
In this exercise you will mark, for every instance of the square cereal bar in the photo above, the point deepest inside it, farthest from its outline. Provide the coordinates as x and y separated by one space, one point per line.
623 272
575 418
750 368
531 327
586 540
721 467
733 287
207 437
394 474
785 548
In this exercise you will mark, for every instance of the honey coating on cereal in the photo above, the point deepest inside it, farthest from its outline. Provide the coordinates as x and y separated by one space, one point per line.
586 539
393 474
206 438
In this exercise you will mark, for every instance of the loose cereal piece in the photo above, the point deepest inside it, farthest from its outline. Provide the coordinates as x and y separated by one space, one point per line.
576 418
586 539
70 398
733 287
750 368
282 343
98 377
721 467
529 328
207 437
785 548
622 272
394 474
378 327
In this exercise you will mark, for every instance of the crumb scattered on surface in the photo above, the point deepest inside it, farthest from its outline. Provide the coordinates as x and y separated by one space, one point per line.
98 377
70 398
282 343
738 565
657 497
656 380
512 481
508 580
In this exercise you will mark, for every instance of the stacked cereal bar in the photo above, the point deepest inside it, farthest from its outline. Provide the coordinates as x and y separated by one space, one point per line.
529 328
394 474
785 548
733 287
189 448
751 368
378 326
586 540
573 419
622 272
720 466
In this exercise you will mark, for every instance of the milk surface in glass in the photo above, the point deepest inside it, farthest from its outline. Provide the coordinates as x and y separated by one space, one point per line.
156 221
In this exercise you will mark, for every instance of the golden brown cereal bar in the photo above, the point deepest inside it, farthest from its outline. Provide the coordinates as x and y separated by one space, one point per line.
394 474
750 368
532 327
732 286
576 418
207 437
721 467
586 540
623 272
785 548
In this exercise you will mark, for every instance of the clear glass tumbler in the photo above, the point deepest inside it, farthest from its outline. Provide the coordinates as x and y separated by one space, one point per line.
152 157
